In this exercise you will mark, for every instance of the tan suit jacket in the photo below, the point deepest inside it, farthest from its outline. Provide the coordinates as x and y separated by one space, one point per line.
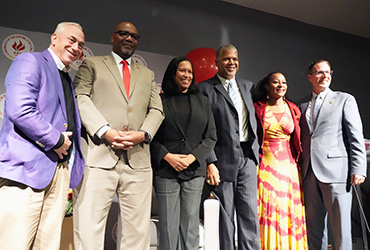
102 100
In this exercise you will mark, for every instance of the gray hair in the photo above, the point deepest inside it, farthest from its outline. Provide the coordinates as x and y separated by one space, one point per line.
62 25
225 47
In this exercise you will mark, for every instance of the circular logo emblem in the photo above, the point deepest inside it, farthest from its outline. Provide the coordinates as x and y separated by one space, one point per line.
16 44
2 101
139 60
86 52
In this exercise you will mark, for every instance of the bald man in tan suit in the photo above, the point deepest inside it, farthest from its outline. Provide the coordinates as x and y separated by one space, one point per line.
119 126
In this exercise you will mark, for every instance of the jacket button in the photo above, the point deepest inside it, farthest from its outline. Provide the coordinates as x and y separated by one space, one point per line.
65 125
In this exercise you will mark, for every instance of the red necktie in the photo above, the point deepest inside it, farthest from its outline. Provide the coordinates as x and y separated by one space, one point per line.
126 77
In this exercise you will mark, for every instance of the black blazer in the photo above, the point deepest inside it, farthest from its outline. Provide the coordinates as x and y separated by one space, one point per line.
198 139
227 150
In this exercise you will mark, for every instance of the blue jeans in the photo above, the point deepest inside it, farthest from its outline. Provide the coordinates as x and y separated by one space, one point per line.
178 208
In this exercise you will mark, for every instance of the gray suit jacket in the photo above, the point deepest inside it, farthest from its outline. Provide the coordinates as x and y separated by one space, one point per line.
102 100
227 125
336 146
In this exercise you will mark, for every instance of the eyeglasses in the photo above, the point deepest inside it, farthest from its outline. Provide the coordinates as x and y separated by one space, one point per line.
322 72
125 34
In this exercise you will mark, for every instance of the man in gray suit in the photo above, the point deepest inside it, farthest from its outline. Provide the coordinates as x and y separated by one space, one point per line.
232 168
333 158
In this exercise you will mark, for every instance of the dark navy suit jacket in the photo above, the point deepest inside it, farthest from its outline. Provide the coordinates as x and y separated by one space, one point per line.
226 152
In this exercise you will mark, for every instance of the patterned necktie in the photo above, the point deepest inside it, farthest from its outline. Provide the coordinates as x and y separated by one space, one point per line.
235 98
316 109
126 77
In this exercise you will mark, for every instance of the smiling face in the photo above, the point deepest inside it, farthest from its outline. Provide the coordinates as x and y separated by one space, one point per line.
68 43
276 86
320 77
184 75
228 63
124 45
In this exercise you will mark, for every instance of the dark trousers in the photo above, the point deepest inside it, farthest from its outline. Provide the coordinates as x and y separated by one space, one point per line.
240 197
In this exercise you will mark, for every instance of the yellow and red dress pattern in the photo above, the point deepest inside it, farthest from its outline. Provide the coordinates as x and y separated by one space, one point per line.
280 192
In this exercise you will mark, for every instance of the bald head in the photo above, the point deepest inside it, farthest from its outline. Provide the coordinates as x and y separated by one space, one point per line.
125 39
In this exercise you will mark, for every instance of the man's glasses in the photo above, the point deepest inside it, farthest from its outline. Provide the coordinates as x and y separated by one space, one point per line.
125 34
322 72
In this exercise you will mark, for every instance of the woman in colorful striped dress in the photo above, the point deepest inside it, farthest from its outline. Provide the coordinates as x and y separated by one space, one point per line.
280 194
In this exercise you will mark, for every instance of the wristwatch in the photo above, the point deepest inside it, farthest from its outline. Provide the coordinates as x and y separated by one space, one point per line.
147 136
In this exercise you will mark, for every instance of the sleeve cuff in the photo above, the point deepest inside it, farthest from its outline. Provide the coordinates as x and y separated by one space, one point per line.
102 130
60 142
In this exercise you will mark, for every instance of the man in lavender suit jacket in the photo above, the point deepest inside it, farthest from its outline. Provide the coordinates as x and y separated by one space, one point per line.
40 151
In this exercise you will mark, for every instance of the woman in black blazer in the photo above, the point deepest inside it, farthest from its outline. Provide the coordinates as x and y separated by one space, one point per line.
179 151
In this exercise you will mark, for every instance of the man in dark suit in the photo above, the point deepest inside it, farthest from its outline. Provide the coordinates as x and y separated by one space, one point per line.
333 158
40 151
232 168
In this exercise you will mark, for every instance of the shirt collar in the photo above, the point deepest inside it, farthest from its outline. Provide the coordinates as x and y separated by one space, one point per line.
119 59
225 81
321 94
58 62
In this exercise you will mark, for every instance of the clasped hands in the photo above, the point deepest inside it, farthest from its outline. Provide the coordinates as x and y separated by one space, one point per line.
179 162
123 139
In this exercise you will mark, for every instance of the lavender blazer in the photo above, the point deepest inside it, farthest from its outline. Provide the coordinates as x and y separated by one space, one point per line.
35 116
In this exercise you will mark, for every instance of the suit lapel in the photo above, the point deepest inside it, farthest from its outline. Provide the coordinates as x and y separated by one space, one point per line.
58 81
220 88
135 69
246 96
171 106
326 107
112 67
195 105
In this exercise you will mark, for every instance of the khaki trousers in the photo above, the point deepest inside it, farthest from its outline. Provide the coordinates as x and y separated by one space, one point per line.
92 200
30 218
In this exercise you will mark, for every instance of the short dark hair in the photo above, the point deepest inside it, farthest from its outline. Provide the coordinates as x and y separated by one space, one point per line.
311 65
169 84
260 92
